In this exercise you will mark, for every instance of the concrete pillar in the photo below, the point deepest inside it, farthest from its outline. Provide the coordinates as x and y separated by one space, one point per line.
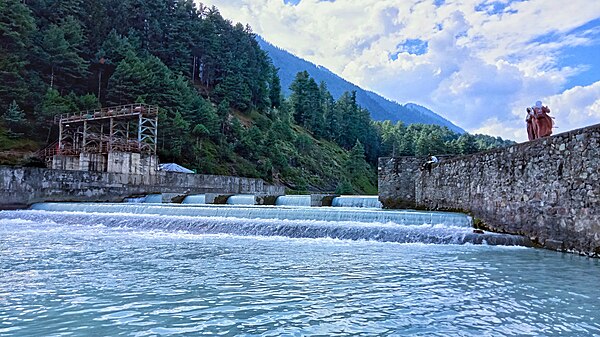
216 198
320 200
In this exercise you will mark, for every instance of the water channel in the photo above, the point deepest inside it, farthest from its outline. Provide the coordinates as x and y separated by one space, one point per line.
146 269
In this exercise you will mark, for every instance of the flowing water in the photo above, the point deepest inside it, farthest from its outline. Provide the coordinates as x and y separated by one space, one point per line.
265 212
150 199
356 201
194 199
241 199
293 200
145 270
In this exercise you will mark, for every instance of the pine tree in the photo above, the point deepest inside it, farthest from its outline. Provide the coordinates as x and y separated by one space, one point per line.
275 89
466 144
347 109
59 57
344 187
331 118
87 102
356 163
16 28
313 111
63 9
14 120
234 90
299 96
53 104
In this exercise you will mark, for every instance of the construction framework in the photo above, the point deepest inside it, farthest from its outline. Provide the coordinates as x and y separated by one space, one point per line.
126 128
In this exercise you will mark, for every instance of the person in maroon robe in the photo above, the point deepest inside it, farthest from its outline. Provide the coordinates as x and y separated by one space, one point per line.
544 123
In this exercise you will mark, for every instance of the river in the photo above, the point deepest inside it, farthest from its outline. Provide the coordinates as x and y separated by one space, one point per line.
181 270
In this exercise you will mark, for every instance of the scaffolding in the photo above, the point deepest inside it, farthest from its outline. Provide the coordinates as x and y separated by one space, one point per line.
127 128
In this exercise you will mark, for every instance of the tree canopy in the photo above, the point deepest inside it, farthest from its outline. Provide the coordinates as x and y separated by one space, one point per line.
221 105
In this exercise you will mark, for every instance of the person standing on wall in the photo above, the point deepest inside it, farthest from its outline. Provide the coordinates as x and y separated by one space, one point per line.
539 123
428 164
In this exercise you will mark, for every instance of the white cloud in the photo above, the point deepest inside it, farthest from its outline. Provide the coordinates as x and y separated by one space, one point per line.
484 62
576 107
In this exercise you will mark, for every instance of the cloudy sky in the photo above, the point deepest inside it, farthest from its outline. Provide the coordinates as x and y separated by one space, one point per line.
478 63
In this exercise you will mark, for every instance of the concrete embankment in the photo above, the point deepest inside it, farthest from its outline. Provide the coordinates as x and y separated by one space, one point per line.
23 186
547 189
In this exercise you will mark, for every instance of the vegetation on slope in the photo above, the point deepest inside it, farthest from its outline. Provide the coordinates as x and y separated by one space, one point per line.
222 111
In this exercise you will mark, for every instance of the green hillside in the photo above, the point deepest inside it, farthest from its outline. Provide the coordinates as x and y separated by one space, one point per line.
222 111
380 108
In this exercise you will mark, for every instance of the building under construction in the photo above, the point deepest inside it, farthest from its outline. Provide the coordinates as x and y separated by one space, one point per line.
120 139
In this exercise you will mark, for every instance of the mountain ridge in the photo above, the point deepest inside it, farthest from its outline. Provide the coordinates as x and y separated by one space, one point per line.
380 108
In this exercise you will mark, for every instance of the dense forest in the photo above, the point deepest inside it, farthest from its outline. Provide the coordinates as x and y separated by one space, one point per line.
222 108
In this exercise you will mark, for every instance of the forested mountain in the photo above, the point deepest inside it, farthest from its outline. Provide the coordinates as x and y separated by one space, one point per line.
221 106
381 109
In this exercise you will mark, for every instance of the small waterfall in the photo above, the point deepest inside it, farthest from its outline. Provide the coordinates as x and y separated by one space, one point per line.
153 199
293 200
148 199
367 201
265 212
242 199
137 200
383 232
195 199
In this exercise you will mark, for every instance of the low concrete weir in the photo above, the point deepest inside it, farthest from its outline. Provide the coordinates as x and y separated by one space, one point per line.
23 186
267 212
302 222
547 189
370 201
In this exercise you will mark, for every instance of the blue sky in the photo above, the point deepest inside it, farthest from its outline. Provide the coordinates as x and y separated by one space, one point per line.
479 63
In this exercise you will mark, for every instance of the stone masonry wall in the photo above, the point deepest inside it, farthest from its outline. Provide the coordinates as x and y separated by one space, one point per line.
397 178
547 189
23 186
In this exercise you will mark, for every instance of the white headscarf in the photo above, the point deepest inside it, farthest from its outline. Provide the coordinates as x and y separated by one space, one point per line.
538 104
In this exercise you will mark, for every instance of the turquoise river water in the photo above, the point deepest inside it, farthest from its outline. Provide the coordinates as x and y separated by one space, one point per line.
102 270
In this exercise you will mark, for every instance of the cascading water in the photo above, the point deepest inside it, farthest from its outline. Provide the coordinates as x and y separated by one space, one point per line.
195 199
147 199
241 199
266 212
293 200
137 200
344 230
299 222
368 201
153 199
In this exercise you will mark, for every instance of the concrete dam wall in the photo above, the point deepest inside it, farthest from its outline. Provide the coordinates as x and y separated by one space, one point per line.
23 186
547 189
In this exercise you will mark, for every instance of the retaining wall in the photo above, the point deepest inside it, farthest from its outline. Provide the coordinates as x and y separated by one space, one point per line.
23 186
547 189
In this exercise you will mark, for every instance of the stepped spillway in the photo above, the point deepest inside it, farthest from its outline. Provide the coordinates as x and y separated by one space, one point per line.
268 212
300 222
293 200
368 201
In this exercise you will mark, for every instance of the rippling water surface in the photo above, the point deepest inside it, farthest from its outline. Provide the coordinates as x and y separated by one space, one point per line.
82 280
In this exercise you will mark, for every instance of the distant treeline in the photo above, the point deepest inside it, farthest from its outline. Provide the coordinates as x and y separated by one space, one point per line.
222 111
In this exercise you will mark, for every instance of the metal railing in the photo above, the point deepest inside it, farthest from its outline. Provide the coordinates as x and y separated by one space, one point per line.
110 112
